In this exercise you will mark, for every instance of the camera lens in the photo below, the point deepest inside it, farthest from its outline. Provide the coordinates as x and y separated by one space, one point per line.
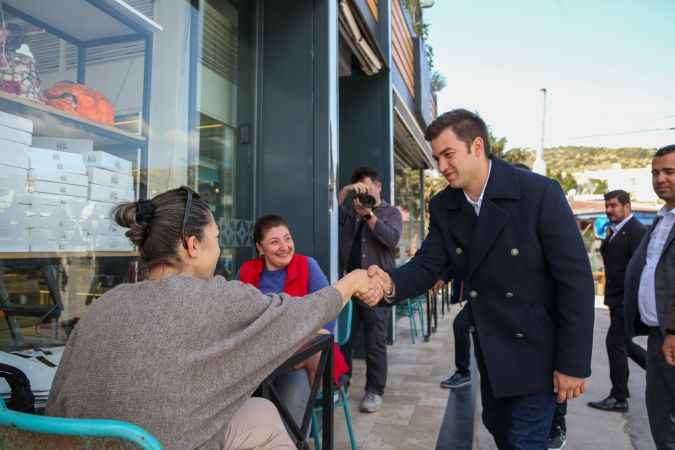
366 200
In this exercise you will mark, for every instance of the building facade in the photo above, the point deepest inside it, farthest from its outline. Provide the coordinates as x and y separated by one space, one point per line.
261 106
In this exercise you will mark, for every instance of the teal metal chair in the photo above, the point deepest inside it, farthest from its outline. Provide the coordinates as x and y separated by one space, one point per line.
413 307
28 431
341 397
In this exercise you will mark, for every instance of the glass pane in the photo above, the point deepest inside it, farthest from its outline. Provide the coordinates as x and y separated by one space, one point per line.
218 164
74 142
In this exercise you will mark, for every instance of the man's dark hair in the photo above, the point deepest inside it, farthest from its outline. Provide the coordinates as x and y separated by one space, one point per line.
364 172
663 151
266 223
465 124
521 166
622 196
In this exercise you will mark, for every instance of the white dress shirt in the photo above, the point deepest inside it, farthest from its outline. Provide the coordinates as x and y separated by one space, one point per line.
647 290
617 227
478 203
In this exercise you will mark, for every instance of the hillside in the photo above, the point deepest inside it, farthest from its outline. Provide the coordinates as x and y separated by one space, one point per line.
577 159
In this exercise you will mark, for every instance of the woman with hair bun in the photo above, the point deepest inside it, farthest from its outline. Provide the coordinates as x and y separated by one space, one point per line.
181 353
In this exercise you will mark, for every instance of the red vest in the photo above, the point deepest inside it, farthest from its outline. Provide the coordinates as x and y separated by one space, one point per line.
296 285
297 275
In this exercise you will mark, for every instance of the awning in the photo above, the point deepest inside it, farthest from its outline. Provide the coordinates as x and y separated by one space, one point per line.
362 44
409 141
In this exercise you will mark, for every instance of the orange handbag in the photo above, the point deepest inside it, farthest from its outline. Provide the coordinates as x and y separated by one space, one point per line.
81 100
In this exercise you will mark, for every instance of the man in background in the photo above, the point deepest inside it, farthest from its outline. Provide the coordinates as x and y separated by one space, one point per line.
623 237
370 229
649 303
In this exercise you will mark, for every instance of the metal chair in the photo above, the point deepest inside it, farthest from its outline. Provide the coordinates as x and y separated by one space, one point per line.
410 308
25 431
341 397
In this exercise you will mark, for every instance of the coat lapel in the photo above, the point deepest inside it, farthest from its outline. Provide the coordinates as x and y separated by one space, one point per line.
491 222
502 185
462 217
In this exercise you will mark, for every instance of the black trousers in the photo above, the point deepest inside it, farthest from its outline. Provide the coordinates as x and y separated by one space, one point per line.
660 394
461 327
618 356
374 321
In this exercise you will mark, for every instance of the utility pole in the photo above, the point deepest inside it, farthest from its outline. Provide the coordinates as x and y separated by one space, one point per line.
539 162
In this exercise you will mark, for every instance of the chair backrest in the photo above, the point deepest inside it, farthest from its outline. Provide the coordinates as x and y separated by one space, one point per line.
29 431
344 324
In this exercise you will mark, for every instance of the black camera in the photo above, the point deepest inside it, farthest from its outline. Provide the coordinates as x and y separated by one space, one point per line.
366 200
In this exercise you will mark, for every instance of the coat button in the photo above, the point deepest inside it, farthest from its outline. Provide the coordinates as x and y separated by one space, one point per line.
508 295
473 294
459 251
519 335
515 252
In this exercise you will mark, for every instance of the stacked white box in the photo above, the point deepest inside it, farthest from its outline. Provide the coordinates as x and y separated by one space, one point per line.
70 145
15 137
103 232
15 129
14 235
104 160
56 223
103 177
47 159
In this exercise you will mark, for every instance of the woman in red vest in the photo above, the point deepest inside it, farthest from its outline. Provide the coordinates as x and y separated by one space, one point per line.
280 269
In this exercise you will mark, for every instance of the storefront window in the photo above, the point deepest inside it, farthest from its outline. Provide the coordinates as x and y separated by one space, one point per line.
407 196
136 99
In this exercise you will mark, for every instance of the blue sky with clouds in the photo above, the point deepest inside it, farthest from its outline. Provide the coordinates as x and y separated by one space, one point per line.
608 66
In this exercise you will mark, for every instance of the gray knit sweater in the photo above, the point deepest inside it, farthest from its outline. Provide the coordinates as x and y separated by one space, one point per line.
179 356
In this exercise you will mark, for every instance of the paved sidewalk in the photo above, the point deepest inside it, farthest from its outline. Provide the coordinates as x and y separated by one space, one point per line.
414 404
592 429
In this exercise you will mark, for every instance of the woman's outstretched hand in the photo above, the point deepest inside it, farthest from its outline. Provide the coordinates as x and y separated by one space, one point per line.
358 283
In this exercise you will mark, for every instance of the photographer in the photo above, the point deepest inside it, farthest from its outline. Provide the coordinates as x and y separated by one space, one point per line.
370 229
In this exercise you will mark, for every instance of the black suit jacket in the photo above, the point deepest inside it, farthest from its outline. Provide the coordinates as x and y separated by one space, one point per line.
526 276
615 254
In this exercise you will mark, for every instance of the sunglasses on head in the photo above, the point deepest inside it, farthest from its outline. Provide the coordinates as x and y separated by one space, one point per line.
188 206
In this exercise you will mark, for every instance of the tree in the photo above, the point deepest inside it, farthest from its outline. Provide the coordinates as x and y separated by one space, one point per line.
438 82
566 179
497 146
599 186
519 155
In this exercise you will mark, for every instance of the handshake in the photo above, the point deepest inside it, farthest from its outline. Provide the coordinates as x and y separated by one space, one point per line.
369 286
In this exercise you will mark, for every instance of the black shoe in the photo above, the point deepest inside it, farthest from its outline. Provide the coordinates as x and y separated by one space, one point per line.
610 404
458 380
557 439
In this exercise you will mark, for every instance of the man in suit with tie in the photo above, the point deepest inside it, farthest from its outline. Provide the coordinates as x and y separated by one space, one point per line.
650 308
510 236
623 237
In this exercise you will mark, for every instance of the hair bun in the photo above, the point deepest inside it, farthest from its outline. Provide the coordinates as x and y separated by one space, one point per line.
145 211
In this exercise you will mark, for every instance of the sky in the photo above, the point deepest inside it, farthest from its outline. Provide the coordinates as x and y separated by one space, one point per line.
608 67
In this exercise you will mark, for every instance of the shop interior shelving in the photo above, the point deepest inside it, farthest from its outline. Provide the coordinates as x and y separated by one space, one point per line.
87 24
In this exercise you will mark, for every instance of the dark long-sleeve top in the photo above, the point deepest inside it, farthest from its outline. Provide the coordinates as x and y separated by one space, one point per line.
377 245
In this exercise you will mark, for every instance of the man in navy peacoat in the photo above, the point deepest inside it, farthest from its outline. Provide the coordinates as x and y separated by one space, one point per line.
510 236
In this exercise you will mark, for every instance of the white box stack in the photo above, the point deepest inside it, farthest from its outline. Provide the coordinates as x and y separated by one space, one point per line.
58 186
110 183
15 137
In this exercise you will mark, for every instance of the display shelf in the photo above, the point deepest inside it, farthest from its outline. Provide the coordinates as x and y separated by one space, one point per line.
53 122
87 21
52 255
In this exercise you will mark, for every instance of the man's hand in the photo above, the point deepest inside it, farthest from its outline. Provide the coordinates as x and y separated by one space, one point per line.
360 209
567 387
382 278
669 349
357 188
